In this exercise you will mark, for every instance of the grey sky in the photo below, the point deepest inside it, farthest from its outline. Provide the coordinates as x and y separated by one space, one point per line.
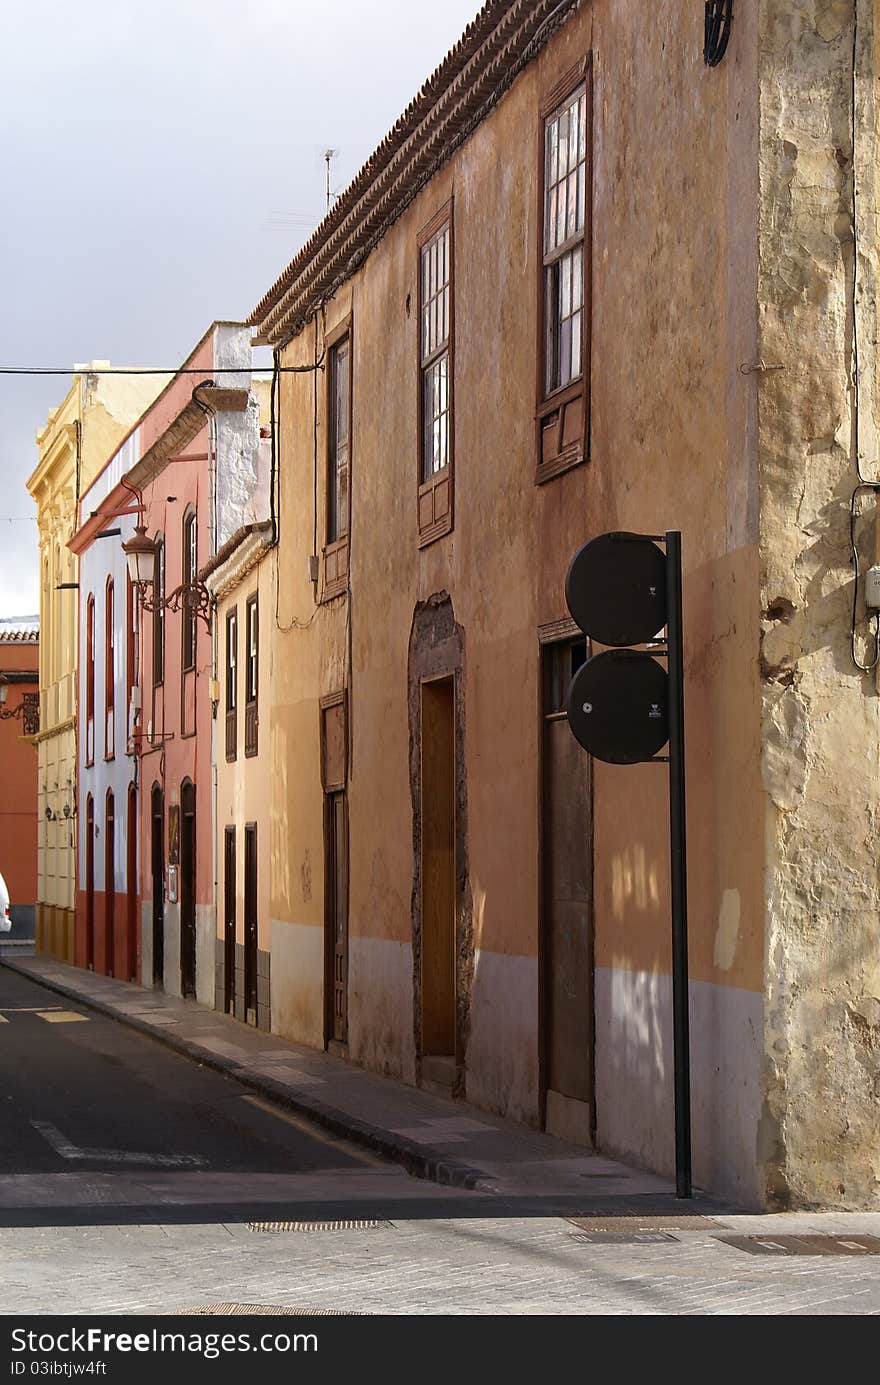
161 163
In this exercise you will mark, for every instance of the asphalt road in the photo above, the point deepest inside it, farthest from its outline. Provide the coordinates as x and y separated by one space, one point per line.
81 1093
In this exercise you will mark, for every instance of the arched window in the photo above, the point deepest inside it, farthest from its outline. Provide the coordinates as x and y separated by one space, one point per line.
188 609
132 654
90 681
159 613
109 672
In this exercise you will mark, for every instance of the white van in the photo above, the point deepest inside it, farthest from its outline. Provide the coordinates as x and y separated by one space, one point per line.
5 913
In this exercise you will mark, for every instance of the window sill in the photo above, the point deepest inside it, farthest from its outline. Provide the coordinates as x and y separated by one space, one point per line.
566 461
438 530
335 569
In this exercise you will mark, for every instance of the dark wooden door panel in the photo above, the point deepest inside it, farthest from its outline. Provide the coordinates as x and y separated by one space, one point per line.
336 918
250 922
567 906
229 888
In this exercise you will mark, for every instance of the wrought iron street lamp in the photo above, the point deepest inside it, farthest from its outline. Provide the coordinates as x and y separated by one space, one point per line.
140 554
28 709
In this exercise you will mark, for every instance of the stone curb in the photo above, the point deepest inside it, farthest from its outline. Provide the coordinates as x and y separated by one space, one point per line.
418 1161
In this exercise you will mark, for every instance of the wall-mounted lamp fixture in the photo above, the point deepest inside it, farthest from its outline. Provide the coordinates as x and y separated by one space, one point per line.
140 553
28 708
719 14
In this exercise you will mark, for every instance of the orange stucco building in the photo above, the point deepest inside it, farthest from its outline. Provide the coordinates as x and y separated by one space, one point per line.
561 299
19 667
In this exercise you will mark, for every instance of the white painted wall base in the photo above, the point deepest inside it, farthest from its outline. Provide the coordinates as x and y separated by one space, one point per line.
297 982
380 1006
634 1086
502 1054
171 953
206 927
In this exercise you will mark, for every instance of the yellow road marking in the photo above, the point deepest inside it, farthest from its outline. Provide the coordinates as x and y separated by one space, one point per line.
307 1128
61 1016
3 1019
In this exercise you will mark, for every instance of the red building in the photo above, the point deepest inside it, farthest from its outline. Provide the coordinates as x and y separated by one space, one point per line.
19 678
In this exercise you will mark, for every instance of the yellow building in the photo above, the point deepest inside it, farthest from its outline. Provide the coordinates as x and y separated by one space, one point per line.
95 415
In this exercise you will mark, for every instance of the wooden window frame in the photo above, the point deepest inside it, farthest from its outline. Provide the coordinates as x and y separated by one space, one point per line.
159 613
109 669
231 699
189 568
435 494
132 647
336 551
90 680
251 699
325 704
552 407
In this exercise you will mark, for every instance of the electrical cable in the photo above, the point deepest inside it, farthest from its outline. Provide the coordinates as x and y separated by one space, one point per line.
145 370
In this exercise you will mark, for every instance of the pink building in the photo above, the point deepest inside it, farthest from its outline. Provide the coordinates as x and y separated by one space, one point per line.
188 473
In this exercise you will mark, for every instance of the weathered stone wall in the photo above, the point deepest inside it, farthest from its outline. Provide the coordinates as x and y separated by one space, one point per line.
821 720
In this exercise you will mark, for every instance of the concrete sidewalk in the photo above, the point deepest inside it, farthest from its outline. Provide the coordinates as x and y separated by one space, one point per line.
432 1137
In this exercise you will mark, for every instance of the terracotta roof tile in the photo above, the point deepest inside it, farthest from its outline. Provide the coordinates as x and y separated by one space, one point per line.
495 47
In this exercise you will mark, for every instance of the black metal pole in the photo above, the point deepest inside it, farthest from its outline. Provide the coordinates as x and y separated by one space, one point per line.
678 872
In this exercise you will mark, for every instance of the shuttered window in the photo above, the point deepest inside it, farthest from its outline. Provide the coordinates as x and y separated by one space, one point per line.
436 434
563 399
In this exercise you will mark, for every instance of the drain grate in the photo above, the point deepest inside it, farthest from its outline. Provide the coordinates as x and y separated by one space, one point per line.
646 1222
275 1226
804 1245
222 1310
622 1238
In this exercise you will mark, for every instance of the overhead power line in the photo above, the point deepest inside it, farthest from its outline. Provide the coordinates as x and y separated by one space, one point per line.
152 370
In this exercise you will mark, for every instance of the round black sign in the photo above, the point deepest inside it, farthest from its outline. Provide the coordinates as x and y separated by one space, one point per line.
616 589
618 706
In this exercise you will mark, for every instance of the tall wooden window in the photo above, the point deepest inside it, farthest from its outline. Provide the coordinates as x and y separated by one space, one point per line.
188 609
436 434
132 648
338 461
563 387
90 681
159 613
232 684
338 467
109 672
252 675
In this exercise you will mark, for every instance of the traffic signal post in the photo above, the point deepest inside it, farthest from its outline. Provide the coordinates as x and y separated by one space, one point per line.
623 707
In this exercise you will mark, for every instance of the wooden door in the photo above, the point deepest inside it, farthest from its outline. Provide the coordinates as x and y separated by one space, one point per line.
567 908
336 918
110 885
250 923
229 921
131 929
438 868
157 854
188 889
90 882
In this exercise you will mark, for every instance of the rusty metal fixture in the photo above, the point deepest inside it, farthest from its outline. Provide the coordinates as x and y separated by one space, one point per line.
195 598
719 15
28 708
140 552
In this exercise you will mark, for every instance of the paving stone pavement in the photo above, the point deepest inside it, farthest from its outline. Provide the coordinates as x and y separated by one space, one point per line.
457 1265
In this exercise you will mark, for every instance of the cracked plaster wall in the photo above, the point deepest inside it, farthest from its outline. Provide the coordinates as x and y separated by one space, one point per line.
818 1140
